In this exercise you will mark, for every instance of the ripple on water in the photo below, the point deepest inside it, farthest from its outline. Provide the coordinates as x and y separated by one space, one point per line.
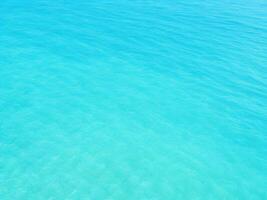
133 100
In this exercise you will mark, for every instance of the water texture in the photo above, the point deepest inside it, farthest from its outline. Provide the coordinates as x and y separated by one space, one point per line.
120 99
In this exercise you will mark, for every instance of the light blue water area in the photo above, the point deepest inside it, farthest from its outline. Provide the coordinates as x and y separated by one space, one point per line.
133 99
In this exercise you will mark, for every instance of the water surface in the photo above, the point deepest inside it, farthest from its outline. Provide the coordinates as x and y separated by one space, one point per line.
133 99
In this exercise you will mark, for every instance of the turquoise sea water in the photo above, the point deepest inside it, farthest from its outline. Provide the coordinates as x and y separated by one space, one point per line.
138 100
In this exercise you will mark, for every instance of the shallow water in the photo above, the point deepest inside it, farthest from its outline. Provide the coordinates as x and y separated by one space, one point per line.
133 99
